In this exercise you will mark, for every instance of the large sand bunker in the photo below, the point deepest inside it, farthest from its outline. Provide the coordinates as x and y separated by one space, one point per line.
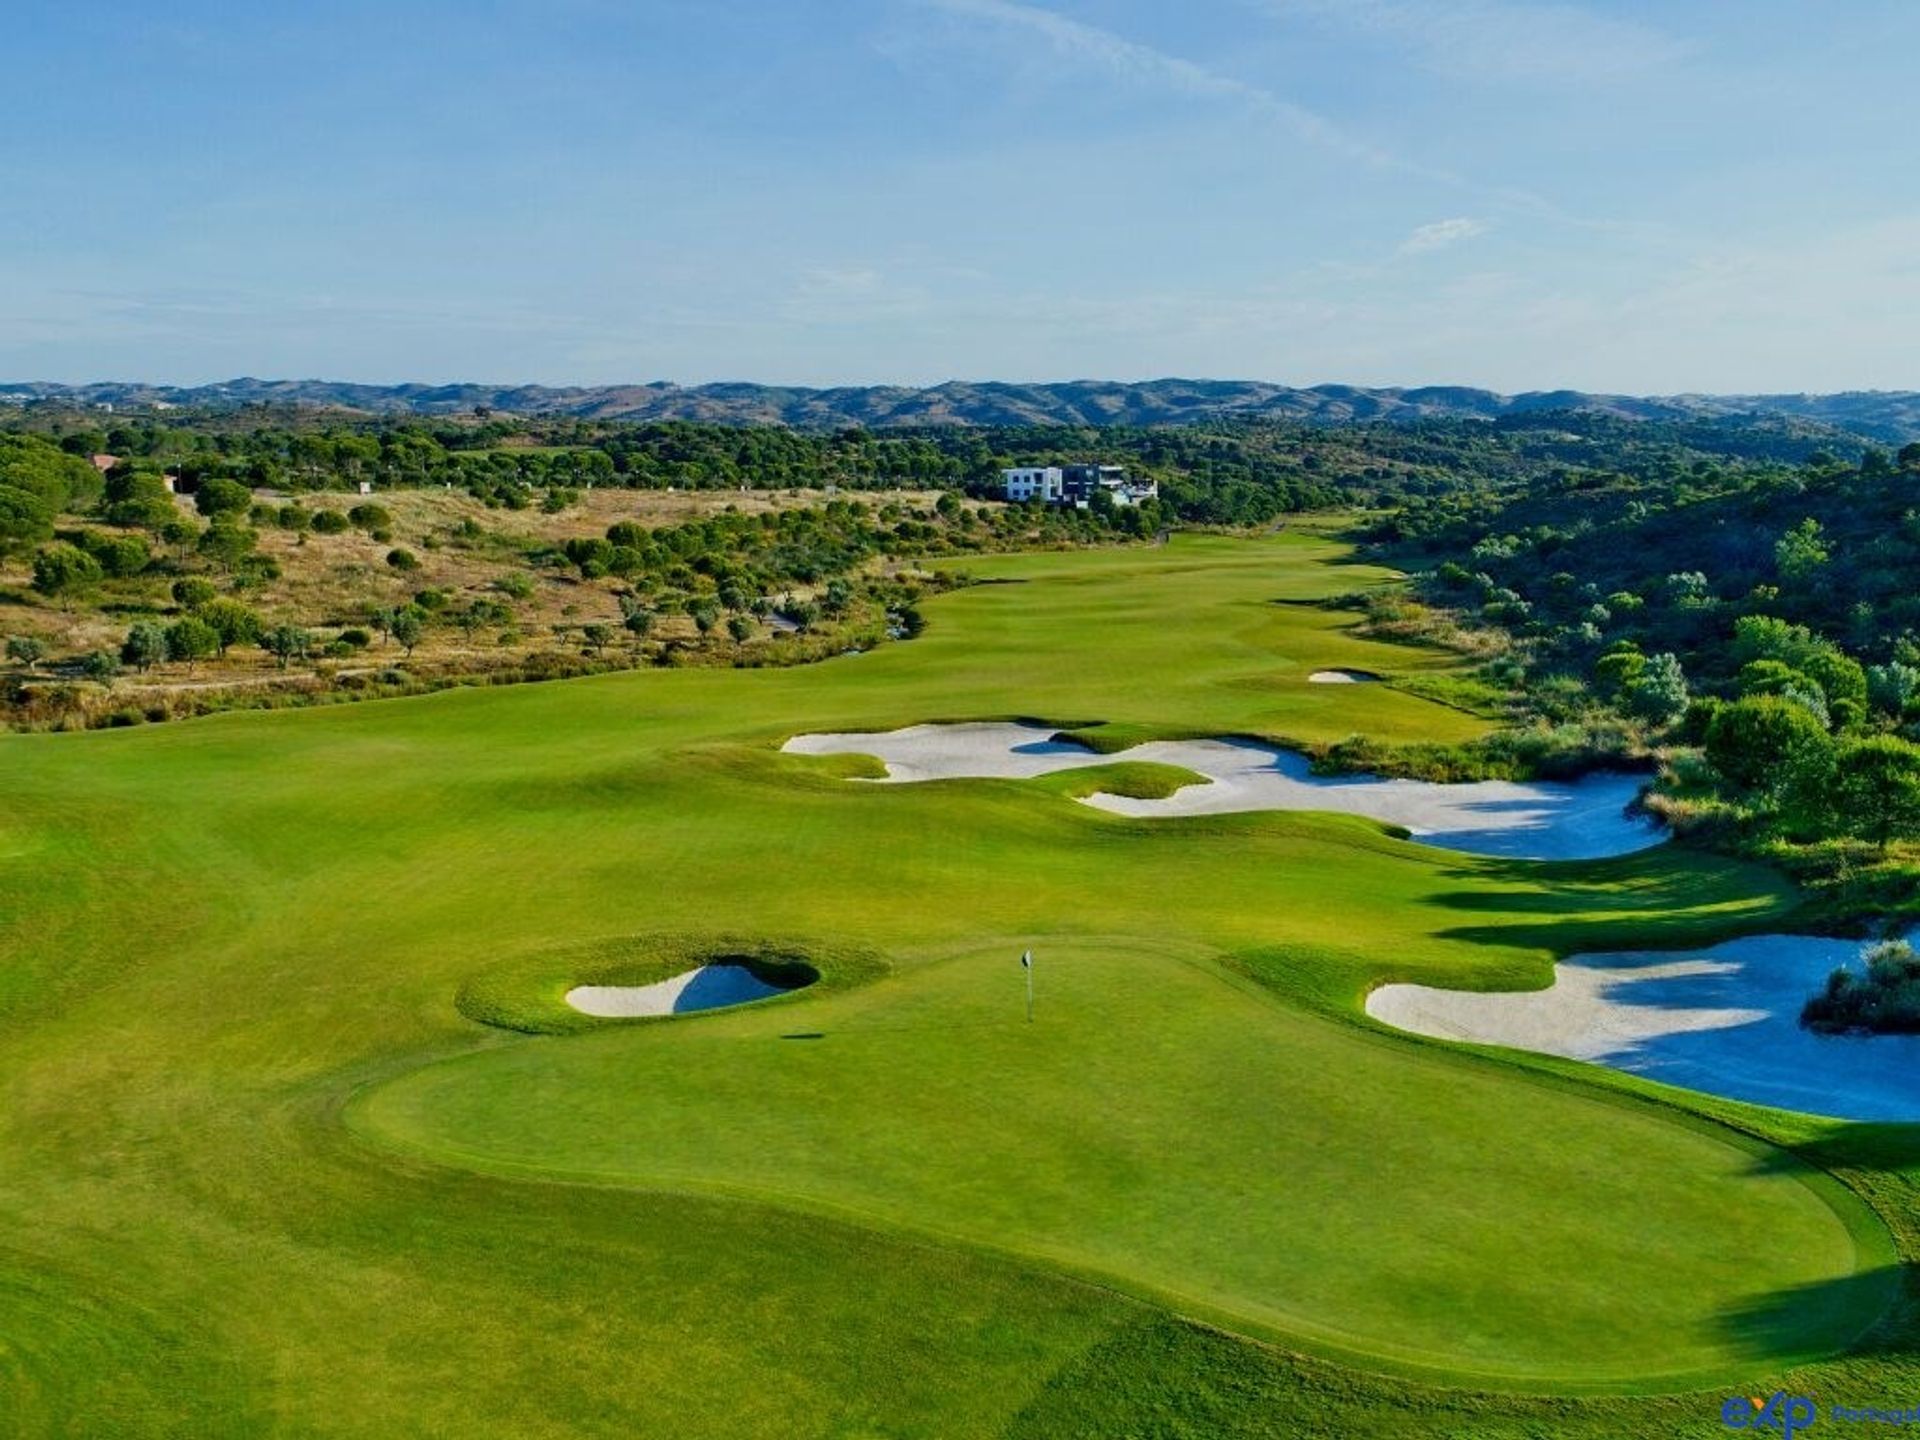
708 988
1723 1020
1343 677
1582 820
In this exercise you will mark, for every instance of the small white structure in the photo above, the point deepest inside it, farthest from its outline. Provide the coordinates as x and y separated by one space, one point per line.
1035 482
366 487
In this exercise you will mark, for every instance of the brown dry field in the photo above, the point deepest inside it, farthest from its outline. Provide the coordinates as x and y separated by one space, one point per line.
330 582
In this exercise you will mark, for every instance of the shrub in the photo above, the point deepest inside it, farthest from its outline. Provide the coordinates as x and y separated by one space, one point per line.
27 650
191 591
1884 998
219 497
403 559
60 569
330 522
1758 743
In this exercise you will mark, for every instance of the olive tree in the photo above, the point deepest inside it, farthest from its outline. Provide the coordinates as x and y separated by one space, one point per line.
145 646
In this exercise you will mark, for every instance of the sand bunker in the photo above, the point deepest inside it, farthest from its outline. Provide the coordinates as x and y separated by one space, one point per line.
1583 820
1342 677
1724 1020
708 988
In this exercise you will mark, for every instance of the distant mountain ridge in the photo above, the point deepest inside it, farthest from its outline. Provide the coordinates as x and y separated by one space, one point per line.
1887 415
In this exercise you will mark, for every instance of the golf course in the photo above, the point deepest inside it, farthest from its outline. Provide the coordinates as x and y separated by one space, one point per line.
299 1134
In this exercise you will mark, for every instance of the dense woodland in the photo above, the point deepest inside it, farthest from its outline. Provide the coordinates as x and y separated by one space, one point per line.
1750 623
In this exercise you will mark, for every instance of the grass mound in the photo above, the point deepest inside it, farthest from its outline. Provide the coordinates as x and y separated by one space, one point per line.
1135 779
528 995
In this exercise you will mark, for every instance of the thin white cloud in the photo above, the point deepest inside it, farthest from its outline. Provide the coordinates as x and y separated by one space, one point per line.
1442 233
1500 39
1143 64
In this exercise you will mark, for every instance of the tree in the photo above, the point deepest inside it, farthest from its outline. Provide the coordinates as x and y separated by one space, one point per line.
407 626
1842 680
740 628
1760 743
1770 677
218 497
1893 686
120 555
145 646
1767 637
25 519
1909 457
286 643
191 592
1876 789
100 665
636 618
1659 693
705 613
191 639
27 650
231 621
1614 671
597 636
60 569
140 499
226 542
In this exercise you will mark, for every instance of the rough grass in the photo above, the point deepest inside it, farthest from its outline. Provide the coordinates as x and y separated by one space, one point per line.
219 934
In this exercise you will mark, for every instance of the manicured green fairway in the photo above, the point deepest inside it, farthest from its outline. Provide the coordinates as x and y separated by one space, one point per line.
1168 1128
257 1171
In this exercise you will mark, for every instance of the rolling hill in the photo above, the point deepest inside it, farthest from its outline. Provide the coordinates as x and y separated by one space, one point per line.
1887 416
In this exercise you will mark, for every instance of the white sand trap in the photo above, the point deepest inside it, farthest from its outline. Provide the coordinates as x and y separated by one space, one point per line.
1582 820
1342 677
708 988
1724 1020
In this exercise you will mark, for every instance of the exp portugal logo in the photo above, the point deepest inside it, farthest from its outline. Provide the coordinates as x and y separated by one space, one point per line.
1789 1414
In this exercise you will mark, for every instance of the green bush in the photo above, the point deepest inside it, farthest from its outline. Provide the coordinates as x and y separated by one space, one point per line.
1884 998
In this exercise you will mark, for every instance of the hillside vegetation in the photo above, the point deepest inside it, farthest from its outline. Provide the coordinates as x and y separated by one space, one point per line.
1883 415
1752 625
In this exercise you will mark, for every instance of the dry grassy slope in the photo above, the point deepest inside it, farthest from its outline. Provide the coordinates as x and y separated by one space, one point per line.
333 581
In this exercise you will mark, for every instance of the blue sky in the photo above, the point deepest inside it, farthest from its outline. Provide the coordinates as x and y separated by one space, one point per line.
1695 195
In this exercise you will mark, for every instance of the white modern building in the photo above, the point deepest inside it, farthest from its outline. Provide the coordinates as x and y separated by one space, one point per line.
1036 482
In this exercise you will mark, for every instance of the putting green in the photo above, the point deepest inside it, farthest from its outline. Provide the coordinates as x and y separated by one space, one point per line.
1168 1127
221 937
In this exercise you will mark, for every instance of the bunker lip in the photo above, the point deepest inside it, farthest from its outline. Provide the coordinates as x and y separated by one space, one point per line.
1724 1021
706 987
1587 819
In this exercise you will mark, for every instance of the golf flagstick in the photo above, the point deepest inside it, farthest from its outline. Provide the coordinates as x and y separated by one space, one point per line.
1026 964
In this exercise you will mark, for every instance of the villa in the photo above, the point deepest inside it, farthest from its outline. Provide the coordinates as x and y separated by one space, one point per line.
1076 484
